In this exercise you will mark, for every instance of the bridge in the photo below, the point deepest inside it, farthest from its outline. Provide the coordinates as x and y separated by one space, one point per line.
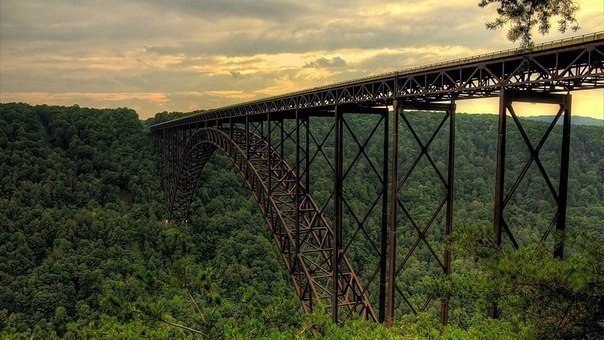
276 146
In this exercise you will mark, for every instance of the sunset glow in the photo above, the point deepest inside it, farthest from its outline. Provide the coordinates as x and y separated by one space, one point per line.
158 56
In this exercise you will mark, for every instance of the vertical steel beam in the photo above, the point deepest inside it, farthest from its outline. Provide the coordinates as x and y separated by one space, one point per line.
282 144
444 308
384 226
307 152
302 122
563 184
393 215
247 136
231 128
270 154
499 179
507 98
500 169
297 185
307 175
297 193
306 124
337 194
447 202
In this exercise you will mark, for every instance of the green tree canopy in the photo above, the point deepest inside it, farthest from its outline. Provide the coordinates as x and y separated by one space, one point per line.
524 15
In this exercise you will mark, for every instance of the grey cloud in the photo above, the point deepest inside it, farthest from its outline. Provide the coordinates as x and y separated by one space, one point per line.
93 24
237 75
271 10
326 63
310 34
384 62
299 28
144 63
185 34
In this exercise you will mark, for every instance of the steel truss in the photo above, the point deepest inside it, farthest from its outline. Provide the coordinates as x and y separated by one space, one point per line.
559 195
397 265
571 64
307 151
304 237
352 224
315 240
279 152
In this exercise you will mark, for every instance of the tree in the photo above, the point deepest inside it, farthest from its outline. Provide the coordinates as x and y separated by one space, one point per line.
524 15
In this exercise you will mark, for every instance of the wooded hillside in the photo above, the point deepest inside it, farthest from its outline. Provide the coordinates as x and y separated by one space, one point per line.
85 249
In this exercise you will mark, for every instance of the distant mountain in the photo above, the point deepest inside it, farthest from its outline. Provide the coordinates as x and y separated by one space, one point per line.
575 120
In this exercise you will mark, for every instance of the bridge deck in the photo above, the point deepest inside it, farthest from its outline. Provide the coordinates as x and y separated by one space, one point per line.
558 66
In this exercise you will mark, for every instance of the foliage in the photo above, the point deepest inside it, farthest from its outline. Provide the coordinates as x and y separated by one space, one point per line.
166 116
524 15
538 296
85 250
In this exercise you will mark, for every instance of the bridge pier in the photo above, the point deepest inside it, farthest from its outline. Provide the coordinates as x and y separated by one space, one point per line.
396 267
337 224
507 98
384 222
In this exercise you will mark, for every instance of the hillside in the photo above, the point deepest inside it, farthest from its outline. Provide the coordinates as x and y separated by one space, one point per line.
85 250
576 120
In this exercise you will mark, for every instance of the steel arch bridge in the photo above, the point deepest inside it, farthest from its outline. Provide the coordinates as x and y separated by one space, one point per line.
273 144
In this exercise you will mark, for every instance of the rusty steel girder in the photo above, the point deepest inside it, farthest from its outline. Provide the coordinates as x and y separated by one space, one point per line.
300 231
313 240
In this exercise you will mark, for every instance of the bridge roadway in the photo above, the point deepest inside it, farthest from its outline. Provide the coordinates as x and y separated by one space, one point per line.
559 66
271 143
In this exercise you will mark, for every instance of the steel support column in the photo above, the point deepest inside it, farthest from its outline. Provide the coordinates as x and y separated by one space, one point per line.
446 203
498 222
393 214
499 174
500 227
337 227
306 123
307 153
297 163
384 224
270 154
282 137
444 309
563 184
231 126
247 136
297 194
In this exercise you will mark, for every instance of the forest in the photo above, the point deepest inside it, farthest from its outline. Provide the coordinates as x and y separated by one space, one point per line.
86 250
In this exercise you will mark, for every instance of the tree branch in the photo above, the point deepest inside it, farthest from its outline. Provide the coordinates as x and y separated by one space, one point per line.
203 318
173 324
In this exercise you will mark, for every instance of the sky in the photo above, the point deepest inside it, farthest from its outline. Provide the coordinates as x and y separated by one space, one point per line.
184 55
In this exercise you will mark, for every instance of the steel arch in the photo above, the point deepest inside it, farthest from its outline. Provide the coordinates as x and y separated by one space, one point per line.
310 267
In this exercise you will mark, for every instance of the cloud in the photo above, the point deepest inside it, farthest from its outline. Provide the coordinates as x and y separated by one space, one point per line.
181 55
270 10
325 63
236 74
